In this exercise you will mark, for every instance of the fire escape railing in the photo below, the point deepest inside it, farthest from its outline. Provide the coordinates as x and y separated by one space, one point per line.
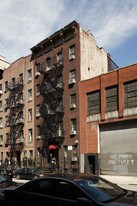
15 120
52 109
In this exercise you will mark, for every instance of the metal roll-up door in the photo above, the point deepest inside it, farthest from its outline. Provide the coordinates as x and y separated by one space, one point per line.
118 148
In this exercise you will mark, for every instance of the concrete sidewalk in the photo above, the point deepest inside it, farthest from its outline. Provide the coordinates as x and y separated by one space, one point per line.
126 182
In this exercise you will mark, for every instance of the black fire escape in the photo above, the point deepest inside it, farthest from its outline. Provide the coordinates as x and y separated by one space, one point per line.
15 121
52 109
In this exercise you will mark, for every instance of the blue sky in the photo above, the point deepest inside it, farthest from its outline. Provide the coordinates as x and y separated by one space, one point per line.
112 22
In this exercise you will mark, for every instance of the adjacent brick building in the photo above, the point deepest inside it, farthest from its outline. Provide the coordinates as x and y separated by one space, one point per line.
108 122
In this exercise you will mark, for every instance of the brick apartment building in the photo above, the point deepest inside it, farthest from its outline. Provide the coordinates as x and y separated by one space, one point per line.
108 122
41 100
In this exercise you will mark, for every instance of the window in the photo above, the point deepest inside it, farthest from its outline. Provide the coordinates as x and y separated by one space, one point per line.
38 110
59 57
13 83
6 86
111 99
30 115
29 74
38 152
48 63
130 94
73 127
30 95
60 129
21 136
31 154
38 67
30 135
0 106
1 140
72 52
6 103
73 101
37 72
0 89
1 124
37 89
21 78
38 136
72 77
93 103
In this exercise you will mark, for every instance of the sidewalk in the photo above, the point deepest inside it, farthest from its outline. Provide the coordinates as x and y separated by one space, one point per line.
127 182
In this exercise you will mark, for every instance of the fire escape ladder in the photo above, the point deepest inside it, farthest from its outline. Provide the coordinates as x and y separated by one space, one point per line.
15 105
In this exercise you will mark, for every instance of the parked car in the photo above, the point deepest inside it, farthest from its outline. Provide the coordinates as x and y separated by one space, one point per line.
70 190
5 183
8 172
28 173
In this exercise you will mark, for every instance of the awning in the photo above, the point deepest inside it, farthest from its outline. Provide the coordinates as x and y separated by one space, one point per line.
51 147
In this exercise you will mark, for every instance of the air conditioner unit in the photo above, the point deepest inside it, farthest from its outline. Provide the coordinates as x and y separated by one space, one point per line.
73 132
30 78
72 81
37 114
21 120
72 56
72 105
21 140
1 92
38 137
37 74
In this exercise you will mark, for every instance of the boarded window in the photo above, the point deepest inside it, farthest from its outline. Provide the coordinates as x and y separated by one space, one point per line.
130 94
93 103
111 98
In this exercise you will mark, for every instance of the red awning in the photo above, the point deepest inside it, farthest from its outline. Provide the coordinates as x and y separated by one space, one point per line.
53 147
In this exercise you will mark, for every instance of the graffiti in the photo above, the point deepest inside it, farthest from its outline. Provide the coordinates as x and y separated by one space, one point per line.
120 159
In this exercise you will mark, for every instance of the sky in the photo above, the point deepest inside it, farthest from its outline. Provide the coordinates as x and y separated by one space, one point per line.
113 23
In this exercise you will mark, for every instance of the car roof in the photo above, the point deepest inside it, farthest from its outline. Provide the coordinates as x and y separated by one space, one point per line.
73 177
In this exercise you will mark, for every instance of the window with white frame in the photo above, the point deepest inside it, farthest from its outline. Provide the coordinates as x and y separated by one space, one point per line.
30 138
73 101
37 89
72 52
72 77
29 74
30 95
38 110
59 57
29 115
73 126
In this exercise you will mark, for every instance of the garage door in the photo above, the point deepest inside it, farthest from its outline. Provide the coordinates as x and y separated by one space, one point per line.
118 148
